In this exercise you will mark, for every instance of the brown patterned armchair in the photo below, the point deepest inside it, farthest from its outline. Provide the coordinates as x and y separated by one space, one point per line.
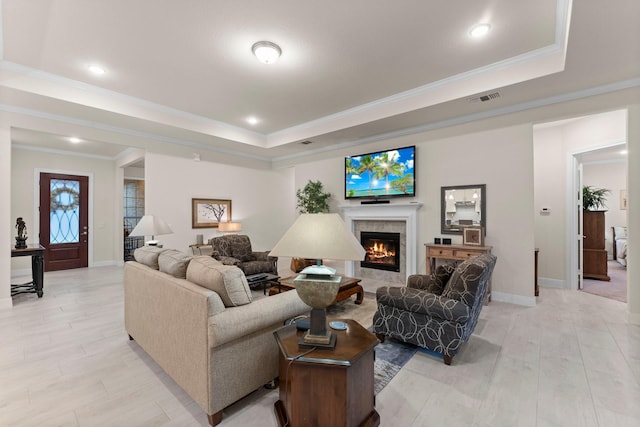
437 312
235 249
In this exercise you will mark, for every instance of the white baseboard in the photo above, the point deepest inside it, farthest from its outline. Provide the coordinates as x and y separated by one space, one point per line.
513 299
553 283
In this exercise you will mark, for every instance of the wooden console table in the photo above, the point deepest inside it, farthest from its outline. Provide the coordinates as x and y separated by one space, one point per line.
456 253
327 387
36 252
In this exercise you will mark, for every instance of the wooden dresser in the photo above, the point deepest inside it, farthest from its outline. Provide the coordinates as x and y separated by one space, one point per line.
593 249
436 252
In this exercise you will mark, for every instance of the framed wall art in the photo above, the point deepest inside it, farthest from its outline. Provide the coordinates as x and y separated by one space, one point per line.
208 213
473 236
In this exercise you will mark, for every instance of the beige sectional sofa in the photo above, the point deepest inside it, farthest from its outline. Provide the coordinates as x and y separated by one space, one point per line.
202 326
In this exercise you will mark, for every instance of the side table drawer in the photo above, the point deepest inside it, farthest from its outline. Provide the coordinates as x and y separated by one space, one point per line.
441 253
467 254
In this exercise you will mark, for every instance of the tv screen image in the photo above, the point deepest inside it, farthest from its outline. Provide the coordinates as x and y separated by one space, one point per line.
380 174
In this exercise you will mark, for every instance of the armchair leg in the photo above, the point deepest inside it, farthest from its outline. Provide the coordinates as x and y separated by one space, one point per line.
447 359
380 337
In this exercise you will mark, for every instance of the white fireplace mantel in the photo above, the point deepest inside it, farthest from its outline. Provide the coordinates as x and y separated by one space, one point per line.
407 212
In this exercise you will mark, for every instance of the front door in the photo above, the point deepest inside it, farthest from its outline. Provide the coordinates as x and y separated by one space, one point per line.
64 220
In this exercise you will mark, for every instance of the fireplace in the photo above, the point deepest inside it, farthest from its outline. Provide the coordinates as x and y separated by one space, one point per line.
382 250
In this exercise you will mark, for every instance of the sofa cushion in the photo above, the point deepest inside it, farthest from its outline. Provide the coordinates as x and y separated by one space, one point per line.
148 255
464 281
226 280
174 262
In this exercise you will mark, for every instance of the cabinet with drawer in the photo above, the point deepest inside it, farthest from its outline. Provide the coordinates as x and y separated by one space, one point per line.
436 252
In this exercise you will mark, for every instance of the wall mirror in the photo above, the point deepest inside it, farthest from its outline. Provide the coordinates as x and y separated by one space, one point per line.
463 206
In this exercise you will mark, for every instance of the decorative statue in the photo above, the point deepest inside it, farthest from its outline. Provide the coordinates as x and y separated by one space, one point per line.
21 238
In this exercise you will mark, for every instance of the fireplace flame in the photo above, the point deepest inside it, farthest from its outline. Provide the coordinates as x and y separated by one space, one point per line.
379 250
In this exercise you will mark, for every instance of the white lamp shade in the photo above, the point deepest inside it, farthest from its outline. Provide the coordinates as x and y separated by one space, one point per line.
229 226
150 225
319 236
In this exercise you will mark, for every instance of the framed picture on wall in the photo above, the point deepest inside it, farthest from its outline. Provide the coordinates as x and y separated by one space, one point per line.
208 213
473 236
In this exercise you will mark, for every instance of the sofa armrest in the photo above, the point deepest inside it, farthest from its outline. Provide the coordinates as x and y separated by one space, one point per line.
419 301
264 256
237 322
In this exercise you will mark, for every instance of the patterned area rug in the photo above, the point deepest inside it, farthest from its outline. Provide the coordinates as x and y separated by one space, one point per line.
391 356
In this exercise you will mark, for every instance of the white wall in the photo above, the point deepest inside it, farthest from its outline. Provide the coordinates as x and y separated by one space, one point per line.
5 215
554 145
262 200
102 225
502 159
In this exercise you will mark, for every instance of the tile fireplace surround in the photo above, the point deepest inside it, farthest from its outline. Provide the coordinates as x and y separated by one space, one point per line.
402 212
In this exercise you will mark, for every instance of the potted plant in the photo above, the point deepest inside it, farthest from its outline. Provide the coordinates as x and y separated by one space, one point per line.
311 199
593 198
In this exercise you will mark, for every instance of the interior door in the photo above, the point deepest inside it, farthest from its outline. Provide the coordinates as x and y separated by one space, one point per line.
580 225
64 221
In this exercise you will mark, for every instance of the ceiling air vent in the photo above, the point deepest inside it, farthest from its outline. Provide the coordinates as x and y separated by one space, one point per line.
307 142
485 97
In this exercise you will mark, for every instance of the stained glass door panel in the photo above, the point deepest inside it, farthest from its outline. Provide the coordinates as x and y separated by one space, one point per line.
64 230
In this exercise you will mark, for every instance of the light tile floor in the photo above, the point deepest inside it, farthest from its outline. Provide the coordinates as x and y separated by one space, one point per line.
65 360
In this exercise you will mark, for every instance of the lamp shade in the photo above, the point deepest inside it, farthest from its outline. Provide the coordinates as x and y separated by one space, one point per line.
318 236
227 227
151 225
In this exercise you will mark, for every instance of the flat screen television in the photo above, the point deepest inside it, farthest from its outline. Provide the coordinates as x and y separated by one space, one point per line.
381 174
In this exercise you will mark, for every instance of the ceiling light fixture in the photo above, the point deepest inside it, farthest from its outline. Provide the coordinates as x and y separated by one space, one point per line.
75 140
96 69
479 30
252 120
266 52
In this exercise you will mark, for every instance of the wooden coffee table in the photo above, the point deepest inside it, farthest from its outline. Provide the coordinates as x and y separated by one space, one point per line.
348 287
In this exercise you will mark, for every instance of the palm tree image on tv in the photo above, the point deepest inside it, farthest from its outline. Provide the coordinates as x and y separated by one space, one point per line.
387 173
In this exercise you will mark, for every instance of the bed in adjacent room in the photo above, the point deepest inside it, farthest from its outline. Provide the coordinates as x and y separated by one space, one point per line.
620 244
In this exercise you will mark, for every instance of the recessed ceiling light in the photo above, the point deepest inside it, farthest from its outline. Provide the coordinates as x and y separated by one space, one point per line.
252 120
96 69
479 30
623 152
75 140
266 52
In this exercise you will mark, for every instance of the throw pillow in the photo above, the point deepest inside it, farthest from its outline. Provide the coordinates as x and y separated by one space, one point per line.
174 262
148 255
226 280
465 280
439 279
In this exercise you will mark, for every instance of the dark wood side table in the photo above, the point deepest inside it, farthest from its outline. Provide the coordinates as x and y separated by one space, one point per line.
321 388
35 286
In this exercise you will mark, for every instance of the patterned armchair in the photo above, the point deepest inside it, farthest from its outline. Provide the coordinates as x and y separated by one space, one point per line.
235 249
437 312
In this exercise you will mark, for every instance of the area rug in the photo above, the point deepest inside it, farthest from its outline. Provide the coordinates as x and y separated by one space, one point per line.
391 356
615 289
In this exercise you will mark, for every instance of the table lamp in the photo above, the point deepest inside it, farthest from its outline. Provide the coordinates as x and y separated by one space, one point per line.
153 226
319 236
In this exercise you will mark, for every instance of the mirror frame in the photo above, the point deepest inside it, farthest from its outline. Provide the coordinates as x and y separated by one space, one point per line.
443 208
